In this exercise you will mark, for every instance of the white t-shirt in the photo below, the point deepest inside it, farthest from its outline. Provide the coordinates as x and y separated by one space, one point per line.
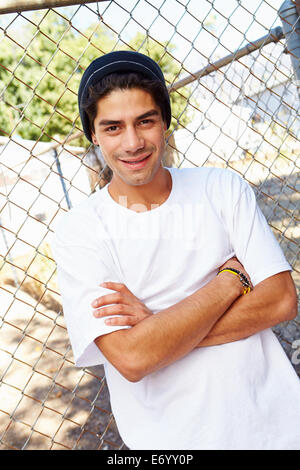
240 395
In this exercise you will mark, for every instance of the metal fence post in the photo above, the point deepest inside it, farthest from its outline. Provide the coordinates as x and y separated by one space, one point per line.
291 28
62 178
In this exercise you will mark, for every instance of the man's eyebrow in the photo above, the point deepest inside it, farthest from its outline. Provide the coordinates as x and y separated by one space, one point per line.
110 122
152 112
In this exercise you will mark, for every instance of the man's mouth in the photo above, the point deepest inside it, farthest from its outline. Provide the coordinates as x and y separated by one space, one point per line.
136 160
137 163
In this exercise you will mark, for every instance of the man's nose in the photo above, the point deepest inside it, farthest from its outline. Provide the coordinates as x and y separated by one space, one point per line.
132 140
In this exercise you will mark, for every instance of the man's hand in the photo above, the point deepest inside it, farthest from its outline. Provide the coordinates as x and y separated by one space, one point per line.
123 303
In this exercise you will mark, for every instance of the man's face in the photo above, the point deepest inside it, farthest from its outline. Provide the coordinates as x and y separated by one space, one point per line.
130 132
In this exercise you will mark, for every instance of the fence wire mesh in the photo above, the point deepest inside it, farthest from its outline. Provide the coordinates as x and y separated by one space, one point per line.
241 115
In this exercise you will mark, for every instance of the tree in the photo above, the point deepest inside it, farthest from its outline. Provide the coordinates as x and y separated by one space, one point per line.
38 84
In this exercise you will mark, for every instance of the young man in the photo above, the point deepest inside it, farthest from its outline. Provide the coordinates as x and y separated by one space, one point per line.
190 361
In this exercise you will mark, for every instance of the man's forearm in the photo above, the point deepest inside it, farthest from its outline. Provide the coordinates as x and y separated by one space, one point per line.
165 337
271 302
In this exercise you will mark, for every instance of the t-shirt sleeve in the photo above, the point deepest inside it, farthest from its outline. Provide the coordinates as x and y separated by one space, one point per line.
81 267
251 237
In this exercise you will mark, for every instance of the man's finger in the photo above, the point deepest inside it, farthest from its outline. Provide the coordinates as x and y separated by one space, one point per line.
117 309
115 286
108 299
121 321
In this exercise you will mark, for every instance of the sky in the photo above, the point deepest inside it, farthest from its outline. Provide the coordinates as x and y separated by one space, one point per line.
146 11
248 20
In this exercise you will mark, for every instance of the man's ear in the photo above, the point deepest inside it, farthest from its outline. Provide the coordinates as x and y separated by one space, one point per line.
94 138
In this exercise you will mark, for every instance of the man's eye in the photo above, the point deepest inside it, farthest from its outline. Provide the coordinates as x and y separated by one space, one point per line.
112 128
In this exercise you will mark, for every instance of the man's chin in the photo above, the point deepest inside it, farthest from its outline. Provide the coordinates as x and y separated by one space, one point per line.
138 181
138 178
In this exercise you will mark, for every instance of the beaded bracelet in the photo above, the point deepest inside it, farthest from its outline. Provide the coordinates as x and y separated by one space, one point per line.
242 277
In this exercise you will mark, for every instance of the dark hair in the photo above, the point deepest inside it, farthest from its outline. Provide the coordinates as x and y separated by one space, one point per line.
123 81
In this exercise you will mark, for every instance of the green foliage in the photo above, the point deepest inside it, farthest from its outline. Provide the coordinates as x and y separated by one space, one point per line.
40 82
40 97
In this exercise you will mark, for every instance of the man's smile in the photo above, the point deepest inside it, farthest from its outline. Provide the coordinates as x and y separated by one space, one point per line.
136 163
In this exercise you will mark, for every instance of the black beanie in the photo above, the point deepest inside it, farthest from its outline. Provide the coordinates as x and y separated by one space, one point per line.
128 61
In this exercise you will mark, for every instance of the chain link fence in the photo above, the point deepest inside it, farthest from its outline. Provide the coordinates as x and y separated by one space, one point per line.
235 105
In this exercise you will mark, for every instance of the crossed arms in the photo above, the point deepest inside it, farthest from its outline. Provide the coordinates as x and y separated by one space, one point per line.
215 314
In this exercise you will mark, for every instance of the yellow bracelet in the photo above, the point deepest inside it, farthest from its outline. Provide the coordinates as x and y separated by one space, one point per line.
242 278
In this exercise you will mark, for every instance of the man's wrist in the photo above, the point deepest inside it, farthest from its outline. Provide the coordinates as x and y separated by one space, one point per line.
245 282
234 286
